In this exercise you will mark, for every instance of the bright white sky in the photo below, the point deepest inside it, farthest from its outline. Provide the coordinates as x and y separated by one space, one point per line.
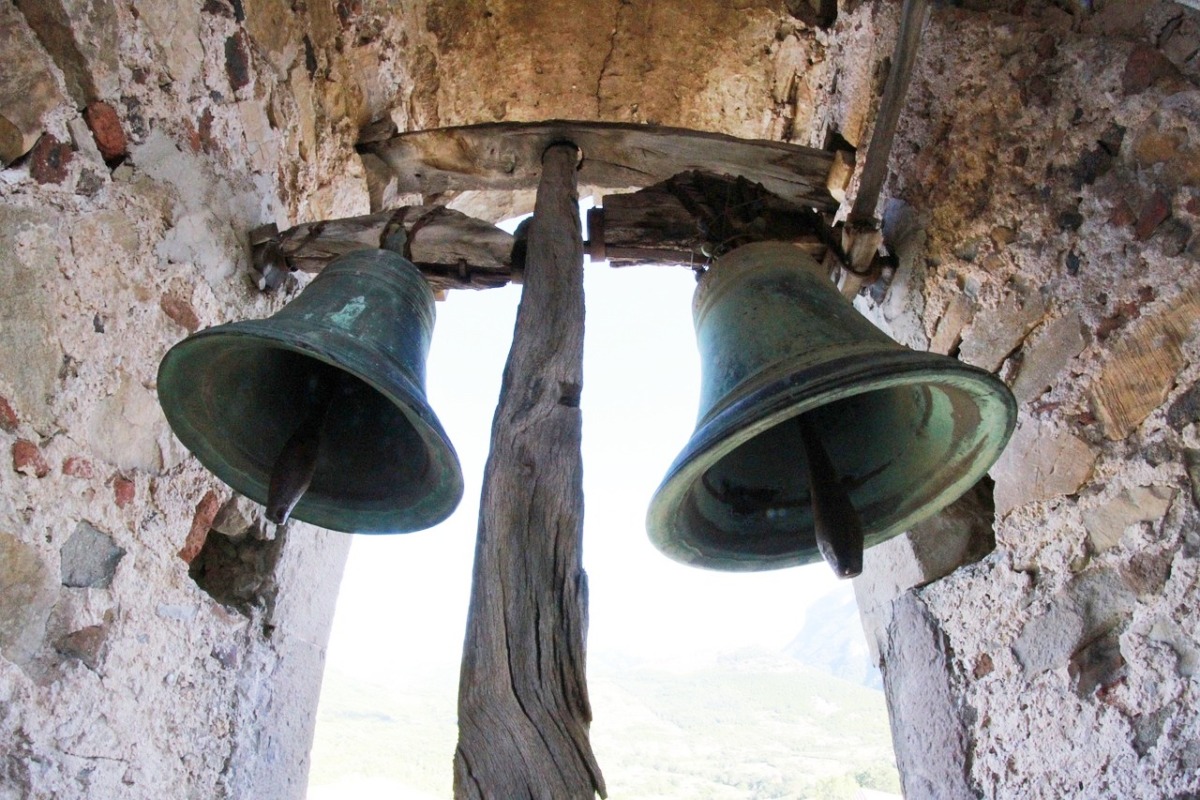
403 601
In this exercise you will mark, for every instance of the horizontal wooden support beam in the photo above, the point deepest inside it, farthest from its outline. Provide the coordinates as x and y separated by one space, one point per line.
685 221
507 156
452 250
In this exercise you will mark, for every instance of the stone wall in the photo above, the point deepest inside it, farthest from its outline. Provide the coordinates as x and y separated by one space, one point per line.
156 638
1039 640
1052 162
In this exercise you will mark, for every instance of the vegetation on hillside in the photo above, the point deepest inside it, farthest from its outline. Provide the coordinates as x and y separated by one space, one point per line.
749 727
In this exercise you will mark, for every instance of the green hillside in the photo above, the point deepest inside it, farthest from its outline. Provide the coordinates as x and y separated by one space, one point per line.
746 728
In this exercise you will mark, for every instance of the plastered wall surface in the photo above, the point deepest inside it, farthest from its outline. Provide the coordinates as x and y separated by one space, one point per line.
157 639
1049 161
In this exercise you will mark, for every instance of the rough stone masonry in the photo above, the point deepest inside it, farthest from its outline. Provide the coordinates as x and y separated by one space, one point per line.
157 639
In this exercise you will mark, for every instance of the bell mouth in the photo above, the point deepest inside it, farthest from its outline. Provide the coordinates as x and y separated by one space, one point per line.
908 433
385 464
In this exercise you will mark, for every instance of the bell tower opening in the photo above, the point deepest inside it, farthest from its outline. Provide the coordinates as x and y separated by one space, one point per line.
698 680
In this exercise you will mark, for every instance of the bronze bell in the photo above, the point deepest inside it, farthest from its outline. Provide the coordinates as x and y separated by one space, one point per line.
322 406
817 435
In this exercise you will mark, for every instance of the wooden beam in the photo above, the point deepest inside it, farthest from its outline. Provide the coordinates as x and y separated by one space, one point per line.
693 217
912 20
862 236
684 221
523 709
452 250
507 156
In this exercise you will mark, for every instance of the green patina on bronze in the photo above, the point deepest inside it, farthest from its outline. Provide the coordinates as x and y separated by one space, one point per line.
236 394
906 432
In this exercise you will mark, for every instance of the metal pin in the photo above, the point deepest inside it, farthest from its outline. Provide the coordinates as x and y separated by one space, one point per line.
837 526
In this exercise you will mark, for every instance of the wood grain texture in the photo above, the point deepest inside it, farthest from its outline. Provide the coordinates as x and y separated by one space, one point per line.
507 155
913 16
452 250
685 220
695 216
523 707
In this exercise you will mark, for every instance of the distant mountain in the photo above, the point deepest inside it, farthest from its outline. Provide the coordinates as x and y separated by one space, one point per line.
832 640
754 725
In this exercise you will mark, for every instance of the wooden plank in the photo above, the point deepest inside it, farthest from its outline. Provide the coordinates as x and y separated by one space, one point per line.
693 217
507 156
912 20
684 221
523 709
452 250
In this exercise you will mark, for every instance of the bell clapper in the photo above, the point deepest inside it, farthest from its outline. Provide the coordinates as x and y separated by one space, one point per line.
836 524
297 461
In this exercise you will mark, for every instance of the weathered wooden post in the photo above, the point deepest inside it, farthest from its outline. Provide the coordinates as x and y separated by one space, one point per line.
523 708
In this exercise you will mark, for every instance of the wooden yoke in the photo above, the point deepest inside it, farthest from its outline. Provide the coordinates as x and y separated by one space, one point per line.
523 709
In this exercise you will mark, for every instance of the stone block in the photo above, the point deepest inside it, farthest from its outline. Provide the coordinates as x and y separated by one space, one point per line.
1186 408
1092 605
81 36
274 28
1057 343
1041 461
89 558
1142 367
8 417
125 429
27 93
999 330
1145 67
180 311
175 30
27 597
86 644
1154 212
238 517
1106 523
381 183
84 141
237 61
1191 462
1185 645
962 533
30 356
950 327
929 732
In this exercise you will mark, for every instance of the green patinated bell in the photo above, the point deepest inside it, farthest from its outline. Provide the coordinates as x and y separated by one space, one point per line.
319 412
817 434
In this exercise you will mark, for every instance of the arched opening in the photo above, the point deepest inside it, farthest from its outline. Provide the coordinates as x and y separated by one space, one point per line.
703 684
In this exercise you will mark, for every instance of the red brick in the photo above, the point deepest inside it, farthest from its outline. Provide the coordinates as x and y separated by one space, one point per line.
106 130
123 491
237 61
180 311
49 159
1122 215
78 467
1146 66
206 512
28 459
8 417
1154 212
